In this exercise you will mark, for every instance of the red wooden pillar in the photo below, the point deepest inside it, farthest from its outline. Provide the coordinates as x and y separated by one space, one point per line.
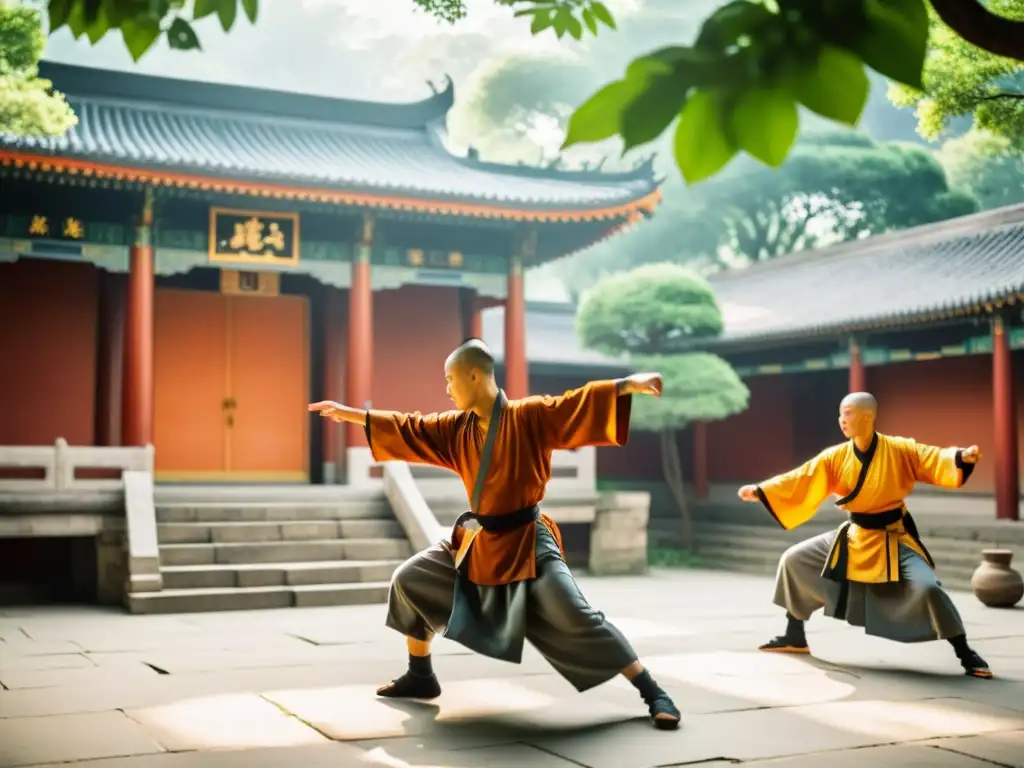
1005 412
359 357
517 373
858 376
700 459
472 323
109 359
334 342
137 393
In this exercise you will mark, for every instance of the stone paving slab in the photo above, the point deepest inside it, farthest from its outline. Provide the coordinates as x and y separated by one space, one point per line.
275 688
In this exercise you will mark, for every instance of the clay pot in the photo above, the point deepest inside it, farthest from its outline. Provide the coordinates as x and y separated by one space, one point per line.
995 583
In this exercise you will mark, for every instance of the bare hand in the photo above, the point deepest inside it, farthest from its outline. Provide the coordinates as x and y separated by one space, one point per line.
748 493
328 409
644 384
971 455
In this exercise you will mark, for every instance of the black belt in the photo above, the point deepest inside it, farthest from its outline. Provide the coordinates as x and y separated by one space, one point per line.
872 522
508 521
878 521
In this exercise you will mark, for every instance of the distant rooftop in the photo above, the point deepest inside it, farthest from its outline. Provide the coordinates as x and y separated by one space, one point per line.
248 134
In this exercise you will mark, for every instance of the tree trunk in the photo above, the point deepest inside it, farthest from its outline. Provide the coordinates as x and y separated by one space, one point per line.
979 26
673 471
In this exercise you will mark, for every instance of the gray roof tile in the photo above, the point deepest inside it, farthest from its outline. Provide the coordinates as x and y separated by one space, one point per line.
902 277
246 134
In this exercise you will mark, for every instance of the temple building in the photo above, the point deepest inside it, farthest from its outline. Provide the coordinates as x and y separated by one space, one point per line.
928 319
193 263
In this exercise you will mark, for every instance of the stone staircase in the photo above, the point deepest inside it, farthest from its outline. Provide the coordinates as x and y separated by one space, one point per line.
242 553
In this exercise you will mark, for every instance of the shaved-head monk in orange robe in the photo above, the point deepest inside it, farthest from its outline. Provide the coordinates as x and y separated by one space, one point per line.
492 588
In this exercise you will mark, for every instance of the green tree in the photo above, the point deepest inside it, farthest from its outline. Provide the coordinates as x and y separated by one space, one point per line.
961 79
28 105
651 314
143 22
754 63
835 186
986 164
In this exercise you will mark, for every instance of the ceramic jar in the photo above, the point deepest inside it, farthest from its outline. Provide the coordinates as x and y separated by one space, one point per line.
995 583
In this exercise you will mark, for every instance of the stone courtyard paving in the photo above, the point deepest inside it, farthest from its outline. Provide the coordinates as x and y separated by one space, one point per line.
295 687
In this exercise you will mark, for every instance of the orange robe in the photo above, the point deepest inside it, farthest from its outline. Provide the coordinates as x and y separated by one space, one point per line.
520 467
865 484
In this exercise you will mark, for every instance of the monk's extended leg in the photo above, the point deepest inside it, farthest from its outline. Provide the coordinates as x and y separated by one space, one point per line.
801 590
925 603
419 604
583 646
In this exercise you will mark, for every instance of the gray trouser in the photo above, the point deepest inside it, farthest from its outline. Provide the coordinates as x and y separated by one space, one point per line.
582 646
913 610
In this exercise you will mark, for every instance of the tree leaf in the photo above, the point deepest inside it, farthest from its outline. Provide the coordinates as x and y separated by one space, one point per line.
58 12
76 19
599 117
227 10
139 35
541 21
560 22
601 12
204 8
895 40
655 106
574 27
835 86
590 20
181 36
702 145
765 123
99 26
729 22
251 8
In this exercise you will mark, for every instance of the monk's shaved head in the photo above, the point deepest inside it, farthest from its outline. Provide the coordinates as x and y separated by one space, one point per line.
472 354
861 401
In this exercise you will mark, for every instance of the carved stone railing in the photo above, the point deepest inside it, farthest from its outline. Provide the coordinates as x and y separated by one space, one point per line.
127 553
61 463
410 508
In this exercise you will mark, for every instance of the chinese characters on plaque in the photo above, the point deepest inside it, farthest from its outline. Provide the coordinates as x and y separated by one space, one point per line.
254 236
68 228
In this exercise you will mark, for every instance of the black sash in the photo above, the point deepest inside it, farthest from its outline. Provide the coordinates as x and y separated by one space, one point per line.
497 629
841 548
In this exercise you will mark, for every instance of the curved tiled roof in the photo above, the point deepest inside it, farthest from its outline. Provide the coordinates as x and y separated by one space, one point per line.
246 134
922 274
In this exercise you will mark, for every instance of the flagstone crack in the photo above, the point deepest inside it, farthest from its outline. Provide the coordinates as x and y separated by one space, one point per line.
980 759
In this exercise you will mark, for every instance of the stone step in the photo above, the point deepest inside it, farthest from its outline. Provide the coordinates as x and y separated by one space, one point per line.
258 598
277 574
295 530
952 575
284 552
238 512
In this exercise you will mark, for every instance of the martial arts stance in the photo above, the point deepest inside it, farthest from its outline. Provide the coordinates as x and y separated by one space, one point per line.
873 571
494 587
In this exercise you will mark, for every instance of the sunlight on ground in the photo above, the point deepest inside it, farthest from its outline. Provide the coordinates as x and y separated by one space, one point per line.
910 720
761 678
233 721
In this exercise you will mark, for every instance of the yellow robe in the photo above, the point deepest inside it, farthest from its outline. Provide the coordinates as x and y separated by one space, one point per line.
870 483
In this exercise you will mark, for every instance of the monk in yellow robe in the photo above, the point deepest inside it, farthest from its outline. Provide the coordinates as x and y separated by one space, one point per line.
493 587
873 572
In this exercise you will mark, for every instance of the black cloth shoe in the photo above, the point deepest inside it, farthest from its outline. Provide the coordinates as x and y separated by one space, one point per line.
974 665
410 686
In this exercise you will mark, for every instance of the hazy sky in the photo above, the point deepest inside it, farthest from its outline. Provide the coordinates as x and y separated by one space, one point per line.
366 49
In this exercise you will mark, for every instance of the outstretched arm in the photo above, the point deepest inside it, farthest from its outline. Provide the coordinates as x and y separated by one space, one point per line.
596 414
394 436
944 467
793 498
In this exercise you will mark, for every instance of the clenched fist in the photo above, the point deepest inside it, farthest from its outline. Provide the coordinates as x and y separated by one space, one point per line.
748 493
971 455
